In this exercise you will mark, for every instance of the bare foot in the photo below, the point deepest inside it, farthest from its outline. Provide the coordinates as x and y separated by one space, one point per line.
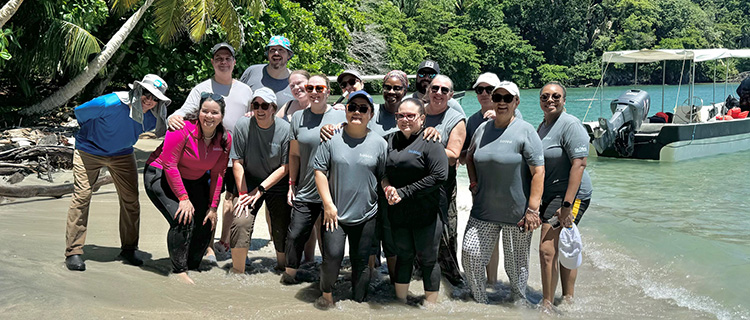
210 252
184 278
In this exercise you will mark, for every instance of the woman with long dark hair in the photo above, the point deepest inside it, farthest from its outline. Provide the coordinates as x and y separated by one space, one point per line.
183 179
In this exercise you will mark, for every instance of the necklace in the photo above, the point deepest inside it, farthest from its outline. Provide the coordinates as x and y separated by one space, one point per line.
211 137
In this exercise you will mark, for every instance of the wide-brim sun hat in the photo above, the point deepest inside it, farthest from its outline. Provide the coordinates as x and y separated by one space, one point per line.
156 85
281 41
511 87
266 94
361 93
488 78
570 252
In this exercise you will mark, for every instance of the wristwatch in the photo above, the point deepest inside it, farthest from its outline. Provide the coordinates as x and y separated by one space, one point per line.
263 190
567 204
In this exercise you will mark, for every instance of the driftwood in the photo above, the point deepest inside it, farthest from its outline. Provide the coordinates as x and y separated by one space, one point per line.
38 159
46 191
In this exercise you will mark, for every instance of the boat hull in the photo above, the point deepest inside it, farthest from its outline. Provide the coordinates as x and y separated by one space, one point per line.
677 142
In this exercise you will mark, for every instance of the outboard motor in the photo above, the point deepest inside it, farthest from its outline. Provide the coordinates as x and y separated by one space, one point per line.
628 112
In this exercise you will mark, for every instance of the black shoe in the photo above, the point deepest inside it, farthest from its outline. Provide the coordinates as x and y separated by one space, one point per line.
75 263
323 304
288 280
129 257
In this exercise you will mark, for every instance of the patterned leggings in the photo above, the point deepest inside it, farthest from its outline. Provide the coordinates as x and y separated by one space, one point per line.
479 242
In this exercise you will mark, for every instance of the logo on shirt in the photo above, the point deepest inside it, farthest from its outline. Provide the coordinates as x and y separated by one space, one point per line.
415 152
364 155
580 149
217 149
505 141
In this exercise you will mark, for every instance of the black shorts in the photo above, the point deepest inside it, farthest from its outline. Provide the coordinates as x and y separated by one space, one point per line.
230 185
549 208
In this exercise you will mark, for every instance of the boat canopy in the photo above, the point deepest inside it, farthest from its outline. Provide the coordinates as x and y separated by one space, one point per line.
654 55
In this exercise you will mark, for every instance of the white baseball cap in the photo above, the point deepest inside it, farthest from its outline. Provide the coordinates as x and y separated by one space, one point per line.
507 85
571 248
488 78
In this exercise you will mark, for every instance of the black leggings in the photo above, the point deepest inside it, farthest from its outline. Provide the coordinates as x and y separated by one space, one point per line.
186 242
301 224
422 242
360 245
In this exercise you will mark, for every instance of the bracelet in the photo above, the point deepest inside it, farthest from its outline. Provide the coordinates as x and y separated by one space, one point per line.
242 193
472 185
532 211
292 182
184 197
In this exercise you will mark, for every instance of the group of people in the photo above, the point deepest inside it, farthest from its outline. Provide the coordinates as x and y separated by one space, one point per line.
375 176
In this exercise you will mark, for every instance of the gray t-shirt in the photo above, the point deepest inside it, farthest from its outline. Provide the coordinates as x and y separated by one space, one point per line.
306 130
236 96
355 168
563 141
383 122
502 158
256 76
452 103
444 123
473 123
262 150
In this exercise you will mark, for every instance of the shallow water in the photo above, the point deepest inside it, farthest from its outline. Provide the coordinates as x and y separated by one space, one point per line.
662 240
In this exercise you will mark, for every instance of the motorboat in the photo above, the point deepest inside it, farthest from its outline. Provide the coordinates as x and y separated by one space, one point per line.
692 130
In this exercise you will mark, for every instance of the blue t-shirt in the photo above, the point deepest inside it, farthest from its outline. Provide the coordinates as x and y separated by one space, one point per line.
106 127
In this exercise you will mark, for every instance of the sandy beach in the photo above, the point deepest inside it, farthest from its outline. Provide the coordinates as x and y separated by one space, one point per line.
35 283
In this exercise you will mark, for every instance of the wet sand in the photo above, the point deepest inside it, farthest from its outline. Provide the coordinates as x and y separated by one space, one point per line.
36 284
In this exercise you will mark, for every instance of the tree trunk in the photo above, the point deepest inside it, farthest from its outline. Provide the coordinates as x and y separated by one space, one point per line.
47 191
8 10
76 85
99 90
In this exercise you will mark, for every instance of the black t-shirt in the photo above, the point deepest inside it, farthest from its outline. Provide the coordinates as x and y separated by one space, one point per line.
417 168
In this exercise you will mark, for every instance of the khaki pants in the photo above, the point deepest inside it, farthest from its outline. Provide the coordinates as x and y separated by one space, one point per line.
85 172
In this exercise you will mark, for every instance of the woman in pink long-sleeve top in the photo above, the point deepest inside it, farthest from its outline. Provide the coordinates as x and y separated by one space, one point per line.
183 179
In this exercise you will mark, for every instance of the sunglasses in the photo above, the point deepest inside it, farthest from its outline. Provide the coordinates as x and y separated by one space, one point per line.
507 98
444 90
407 116
344 83
487 89
546 96
387 88
264 105
353 107
426 75
213 96
151 97
319 88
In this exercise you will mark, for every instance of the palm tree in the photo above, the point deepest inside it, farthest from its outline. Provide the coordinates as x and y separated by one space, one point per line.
8 10
170 17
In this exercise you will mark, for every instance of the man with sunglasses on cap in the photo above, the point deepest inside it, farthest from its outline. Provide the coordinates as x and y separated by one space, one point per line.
237 97
427 71
110 126
274 74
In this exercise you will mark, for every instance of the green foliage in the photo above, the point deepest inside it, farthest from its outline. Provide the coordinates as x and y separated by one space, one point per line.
553 72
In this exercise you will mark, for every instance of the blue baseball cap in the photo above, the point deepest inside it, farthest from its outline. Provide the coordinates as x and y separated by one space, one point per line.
361 93
281 41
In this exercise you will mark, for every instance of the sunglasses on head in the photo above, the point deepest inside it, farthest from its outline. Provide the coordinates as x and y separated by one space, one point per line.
426 75
319 88
487 89
256 105
350 82
444 90
507 98
213 96
407 116
387 88
554 96
362 108
151 96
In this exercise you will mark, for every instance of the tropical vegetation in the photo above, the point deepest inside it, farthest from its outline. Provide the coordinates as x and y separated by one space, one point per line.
62 52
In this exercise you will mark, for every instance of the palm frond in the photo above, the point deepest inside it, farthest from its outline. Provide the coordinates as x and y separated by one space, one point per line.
225 13
169 18
119 7
256 7
74 43
198 17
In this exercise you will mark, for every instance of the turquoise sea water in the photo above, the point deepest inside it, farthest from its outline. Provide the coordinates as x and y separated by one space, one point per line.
673 231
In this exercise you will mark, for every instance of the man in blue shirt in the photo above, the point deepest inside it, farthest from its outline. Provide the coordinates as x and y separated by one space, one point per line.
110 126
